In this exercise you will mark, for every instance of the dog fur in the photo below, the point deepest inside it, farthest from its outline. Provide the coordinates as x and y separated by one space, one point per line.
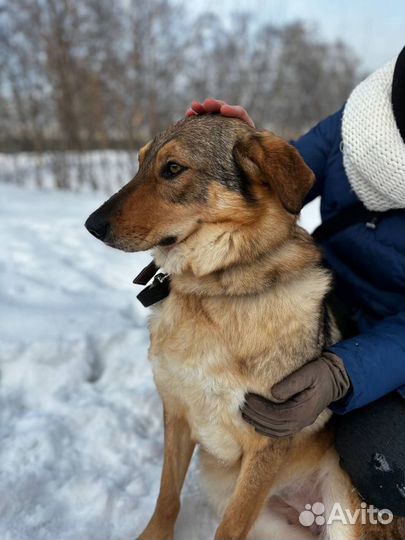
246 308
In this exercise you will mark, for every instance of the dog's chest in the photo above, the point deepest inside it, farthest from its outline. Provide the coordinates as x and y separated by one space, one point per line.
192 374
210 401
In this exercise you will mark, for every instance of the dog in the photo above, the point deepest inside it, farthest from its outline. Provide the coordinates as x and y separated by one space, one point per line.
218 202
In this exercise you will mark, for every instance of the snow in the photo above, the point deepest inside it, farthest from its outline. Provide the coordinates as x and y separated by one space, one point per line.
80 419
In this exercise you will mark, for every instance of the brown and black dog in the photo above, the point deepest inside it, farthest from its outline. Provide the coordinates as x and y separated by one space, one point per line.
218 201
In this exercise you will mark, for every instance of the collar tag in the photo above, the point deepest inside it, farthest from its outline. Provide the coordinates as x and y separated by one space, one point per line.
156 291
146 274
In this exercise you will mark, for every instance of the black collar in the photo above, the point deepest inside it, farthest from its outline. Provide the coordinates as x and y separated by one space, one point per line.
157 290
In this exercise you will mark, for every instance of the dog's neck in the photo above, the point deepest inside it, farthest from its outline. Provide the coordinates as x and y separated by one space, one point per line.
217 260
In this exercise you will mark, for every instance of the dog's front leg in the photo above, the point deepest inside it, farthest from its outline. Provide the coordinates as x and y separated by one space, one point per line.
258 470
178 449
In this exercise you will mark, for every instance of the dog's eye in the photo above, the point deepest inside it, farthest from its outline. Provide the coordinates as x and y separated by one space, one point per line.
172 169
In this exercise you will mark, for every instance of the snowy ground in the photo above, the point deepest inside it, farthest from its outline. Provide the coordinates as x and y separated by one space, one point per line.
80 420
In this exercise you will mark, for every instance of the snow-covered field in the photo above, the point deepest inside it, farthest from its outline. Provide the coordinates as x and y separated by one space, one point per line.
80 420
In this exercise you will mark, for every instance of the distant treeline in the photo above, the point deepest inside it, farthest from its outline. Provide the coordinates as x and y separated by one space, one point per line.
87 74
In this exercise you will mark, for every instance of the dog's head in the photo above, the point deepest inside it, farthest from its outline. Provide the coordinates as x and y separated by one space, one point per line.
204 173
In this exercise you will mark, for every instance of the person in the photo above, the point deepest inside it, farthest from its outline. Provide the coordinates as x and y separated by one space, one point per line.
358 157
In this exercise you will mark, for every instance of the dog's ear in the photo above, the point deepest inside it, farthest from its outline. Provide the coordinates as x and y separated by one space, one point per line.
270 160
142 152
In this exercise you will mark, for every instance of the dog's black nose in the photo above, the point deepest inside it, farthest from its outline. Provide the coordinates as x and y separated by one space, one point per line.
97 225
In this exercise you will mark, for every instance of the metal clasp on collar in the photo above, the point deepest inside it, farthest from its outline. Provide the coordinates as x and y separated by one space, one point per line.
157 290
160 278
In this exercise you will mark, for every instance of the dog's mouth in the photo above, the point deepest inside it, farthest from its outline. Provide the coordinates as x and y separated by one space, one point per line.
144 240
168 241
171 241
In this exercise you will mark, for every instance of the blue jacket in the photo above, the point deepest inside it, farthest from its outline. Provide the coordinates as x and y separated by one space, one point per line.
368 267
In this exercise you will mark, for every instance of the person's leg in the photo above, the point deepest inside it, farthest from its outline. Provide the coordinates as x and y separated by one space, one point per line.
371 445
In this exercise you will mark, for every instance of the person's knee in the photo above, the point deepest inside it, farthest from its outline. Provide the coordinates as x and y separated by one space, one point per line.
371 445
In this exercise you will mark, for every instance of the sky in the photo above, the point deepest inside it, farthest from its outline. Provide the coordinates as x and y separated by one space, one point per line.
375 29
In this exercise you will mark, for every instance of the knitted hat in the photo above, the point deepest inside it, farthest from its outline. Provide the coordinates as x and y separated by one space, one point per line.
373 131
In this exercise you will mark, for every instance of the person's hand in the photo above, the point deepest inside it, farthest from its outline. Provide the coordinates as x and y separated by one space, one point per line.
216 106
304 395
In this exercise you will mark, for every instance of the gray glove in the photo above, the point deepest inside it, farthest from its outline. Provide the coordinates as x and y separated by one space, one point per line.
304 395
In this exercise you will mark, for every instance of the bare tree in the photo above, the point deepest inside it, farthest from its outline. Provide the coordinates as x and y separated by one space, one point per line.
96 74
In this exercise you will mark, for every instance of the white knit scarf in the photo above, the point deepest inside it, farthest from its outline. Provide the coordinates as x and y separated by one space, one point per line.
373 150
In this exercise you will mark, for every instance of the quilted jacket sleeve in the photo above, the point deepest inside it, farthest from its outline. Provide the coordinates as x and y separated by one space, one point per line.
375 363
374 360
